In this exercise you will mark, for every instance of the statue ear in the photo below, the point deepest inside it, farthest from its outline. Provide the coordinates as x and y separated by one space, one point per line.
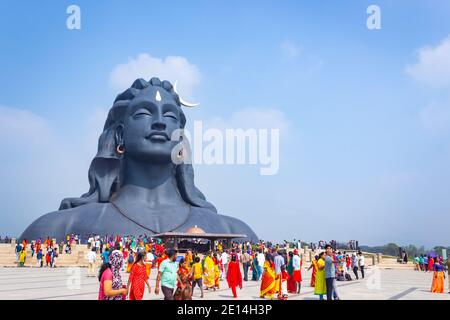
119 134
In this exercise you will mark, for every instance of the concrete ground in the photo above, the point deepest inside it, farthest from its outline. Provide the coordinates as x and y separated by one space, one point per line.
73 283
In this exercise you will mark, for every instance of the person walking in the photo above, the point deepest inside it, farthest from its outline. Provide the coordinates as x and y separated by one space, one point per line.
197 275
138 279
184 287
91 256
167 275
106 290
234 277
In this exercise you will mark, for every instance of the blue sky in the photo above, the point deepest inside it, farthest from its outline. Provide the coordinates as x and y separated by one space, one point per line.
364 114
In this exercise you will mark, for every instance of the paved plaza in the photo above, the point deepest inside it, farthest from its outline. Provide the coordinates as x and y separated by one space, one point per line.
73 283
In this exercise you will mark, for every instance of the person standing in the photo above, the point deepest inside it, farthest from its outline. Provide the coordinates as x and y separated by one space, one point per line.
438 284
18 250
225 261
39 256
234 277
167 275
447 264
138 279
246 259
148 261
260 258
22 257
362 263
91 256
268 287
279 262
297 265
314 268
320 287
330 272
209 272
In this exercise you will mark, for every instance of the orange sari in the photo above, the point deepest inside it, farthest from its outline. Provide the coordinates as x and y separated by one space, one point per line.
313 276
437 285
268 286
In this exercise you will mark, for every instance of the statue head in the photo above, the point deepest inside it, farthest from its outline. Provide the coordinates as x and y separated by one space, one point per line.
140 126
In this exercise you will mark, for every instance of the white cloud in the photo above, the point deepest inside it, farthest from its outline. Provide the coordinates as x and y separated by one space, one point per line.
433 65
290 50
145 66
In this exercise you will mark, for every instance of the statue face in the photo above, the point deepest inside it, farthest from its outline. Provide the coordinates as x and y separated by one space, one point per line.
151 119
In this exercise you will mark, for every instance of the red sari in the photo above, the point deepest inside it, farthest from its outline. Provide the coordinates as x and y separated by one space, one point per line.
138 276
234 277
430 264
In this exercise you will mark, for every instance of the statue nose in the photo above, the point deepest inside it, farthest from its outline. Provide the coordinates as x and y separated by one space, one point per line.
158 125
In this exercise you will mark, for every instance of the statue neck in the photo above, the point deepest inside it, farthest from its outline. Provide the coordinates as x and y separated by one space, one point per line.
154 184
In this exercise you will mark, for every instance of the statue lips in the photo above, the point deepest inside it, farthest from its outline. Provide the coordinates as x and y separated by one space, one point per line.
158 136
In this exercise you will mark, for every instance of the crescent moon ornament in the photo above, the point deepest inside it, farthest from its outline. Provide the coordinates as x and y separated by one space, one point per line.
183 102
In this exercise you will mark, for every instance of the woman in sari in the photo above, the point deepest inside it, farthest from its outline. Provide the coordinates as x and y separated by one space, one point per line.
430 264
216 271
255 273
268 287
234 277
313 266
189 259
184 288
291 285
320 287
437 286
138 279
209 272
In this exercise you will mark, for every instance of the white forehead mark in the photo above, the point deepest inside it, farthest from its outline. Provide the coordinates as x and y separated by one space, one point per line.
158 96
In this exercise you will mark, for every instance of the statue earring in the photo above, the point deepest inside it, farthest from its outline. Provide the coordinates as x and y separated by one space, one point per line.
120 149
180 154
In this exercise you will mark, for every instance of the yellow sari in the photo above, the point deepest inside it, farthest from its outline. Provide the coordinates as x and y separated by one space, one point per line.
209 277
268 283
320 285
216 275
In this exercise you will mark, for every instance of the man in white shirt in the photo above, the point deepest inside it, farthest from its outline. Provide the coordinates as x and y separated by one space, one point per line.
225 262
362 263
296 264
90 257
261 259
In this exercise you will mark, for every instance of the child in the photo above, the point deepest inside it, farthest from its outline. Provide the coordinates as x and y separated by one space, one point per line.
282 293
198 275
39 258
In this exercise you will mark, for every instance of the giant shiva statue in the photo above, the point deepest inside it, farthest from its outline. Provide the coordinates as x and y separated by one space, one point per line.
137 186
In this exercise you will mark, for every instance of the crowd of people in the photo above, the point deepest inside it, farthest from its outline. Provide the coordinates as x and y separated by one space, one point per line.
435 264
277 267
